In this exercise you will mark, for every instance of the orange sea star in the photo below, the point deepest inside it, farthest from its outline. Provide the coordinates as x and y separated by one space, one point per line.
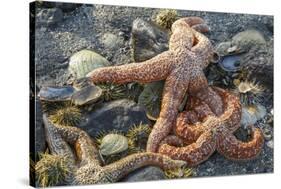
182 68
212 133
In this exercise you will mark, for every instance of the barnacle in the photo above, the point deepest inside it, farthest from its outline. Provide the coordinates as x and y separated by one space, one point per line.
249 92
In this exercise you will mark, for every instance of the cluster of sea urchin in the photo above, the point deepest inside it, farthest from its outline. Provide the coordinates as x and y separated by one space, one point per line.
137 137
51 170
68 115
165 18
113 91
178 173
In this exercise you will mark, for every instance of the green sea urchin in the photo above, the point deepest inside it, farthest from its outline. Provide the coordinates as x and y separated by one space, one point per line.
165 18
113 91
68 115
137 137
51 170
178 173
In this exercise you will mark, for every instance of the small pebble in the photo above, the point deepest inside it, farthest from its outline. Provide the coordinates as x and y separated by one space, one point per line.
270 144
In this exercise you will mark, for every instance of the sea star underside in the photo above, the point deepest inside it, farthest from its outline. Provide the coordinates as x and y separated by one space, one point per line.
181 67
86 166
202 138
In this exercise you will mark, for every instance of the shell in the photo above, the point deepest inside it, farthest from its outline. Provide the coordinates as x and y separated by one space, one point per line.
87 95
247 39
251 114
56 94
150 99
222 48
113 144
84 61
230 63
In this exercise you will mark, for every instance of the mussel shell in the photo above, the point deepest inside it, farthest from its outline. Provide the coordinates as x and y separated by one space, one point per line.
56 93
113 144
230 63
87 95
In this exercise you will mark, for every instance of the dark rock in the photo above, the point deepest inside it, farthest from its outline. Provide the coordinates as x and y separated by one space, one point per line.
65 7
258 64
40 144
148 40
115 115
145 174
48 17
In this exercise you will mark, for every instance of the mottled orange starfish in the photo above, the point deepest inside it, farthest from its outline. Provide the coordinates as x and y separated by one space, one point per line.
182 67
213 133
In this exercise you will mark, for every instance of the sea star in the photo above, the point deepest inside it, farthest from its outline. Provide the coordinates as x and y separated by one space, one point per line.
182 67
86 167
213 133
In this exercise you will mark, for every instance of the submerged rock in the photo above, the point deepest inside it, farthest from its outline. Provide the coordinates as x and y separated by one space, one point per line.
145 174
40 144
115 115
150 99
48 17
148 40
111 41
248 39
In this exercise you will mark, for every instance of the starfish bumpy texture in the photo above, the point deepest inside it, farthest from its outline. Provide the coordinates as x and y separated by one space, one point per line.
202 132
86 165
182 68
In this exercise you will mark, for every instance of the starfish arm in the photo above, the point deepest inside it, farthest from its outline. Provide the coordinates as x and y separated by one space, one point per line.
173 94
150 70
189 132
56 143
232 109
230 147
202 91
58 146
121 168
85 149
202 28
191 21
172 140
194 153
203 46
